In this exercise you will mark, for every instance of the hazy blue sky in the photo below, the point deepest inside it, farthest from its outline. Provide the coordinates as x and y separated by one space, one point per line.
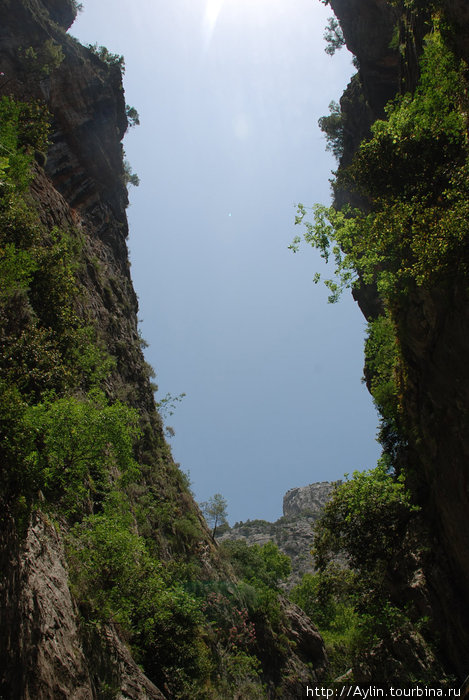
229 93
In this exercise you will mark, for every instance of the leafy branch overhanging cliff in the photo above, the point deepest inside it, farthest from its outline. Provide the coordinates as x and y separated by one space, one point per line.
398 234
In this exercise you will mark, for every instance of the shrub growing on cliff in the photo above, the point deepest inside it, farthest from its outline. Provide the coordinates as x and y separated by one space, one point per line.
130 178
115 579
81 443
41 60
24 128
415 228
109 58
365 518
333 36
132 115
333 128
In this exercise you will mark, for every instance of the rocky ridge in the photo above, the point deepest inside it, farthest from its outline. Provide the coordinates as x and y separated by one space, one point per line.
293 532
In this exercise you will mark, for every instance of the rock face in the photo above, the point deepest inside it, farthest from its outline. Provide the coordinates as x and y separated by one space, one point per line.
42 637
47 649
432 326
307 499
292 533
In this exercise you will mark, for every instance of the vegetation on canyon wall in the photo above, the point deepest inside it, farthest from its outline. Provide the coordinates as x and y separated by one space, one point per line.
70 448
407 235
78 445
80 448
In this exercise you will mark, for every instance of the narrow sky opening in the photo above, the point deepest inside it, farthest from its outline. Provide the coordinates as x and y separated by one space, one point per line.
229 94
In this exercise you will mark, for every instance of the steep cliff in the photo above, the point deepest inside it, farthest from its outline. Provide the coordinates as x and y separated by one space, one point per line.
107 565
292 533
403 179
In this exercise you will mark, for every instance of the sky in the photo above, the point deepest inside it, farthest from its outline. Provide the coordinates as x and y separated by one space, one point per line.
229 93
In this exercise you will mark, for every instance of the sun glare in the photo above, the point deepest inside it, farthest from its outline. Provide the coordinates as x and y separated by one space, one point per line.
212 12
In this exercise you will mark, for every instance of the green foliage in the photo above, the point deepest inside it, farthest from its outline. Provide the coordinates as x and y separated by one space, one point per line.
132 116
130 178
16 270
331 233
321 594
167 405
357 540
24 128
431 122
214 511
365 518
42 60
45 345
258 565
333 36
381 362
229 610
82 443
415 229
241 675
328 597
110 59
333 128
115 578
16 444
262 568
53 443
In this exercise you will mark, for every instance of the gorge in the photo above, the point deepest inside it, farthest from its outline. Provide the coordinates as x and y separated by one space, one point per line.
112 586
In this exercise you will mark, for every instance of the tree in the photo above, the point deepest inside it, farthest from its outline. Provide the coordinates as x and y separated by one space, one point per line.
214 511
333 127
132 115
260 566
130 178
333 36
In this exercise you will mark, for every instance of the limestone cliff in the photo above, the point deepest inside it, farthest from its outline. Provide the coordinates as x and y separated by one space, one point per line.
431 322
68 325
293 532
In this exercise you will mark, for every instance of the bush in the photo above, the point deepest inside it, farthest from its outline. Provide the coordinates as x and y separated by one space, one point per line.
82 445
414 229
24 128
365 518
116 580
333 128
42 60
258 565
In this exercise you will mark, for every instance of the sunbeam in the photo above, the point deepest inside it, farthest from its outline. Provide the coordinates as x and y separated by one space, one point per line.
212 12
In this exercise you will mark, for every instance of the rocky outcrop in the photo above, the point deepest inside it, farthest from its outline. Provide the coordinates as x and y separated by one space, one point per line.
368 27
307 499
39 617
293 532
63 13
47 649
